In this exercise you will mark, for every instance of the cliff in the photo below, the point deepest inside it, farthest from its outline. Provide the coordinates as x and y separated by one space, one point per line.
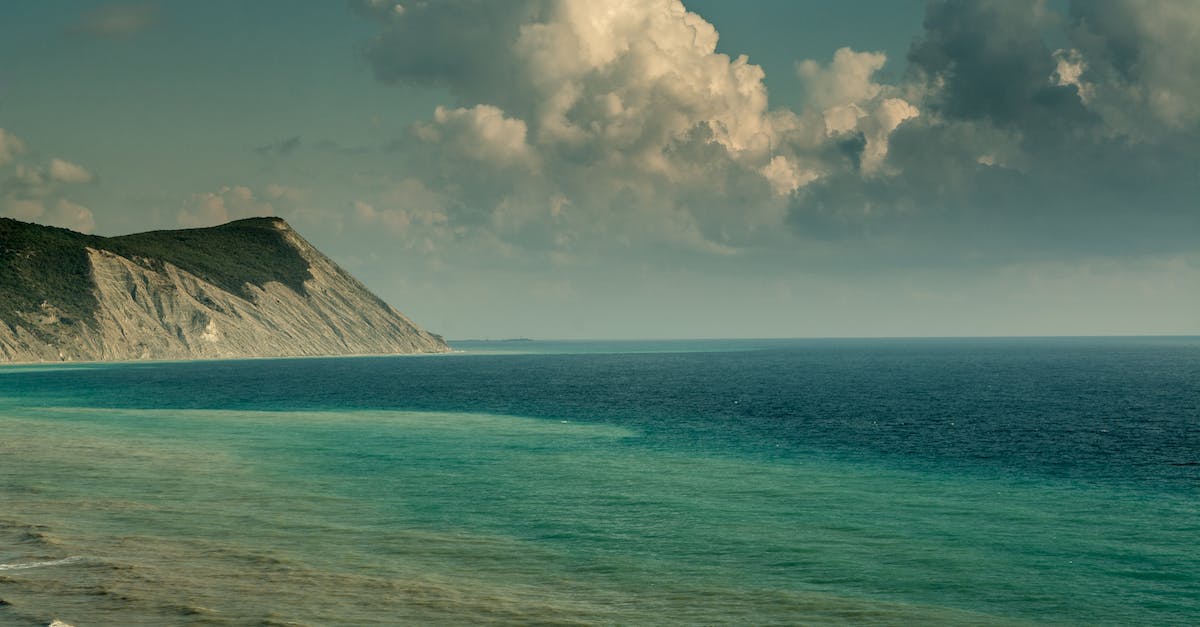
249 288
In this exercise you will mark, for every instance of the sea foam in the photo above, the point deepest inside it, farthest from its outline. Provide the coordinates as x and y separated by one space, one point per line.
28 565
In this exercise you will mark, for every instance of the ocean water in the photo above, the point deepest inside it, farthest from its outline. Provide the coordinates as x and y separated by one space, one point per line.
895 482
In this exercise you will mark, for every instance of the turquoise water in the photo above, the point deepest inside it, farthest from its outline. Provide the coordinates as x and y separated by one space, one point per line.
722 482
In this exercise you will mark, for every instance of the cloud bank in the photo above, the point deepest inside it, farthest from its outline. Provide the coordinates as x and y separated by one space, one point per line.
1027 151
579 125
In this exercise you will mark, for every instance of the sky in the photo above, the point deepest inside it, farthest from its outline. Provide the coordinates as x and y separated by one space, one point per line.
649 168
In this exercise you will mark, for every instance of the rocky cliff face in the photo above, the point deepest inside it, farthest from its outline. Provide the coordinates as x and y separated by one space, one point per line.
187 294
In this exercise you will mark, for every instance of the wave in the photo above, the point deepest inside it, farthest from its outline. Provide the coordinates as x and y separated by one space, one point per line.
28 565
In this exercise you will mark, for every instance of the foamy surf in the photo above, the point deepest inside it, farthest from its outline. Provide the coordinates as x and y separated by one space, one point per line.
28 565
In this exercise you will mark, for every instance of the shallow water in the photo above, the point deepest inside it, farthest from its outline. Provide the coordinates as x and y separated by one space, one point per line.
871 482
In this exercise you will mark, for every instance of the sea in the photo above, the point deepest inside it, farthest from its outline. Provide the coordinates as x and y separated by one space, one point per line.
1020 481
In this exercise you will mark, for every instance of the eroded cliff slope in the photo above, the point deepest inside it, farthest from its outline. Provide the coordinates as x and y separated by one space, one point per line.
250 288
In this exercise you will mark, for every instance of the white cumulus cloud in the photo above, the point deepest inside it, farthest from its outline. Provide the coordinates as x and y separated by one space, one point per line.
625 109
68 172
847 80
850 101
10 147
38 193
226 204
71 215
482 133
618 124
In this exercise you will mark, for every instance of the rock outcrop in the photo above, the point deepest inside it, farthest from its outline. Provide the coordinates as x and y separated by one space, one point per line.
250 288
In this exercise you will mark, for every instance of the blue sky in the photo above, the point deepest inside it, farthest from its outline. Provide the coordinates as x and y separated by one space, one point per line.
539 168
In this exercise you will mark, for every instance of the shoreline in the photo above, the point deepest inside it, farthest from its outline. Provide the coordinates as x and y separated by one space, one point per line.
152 360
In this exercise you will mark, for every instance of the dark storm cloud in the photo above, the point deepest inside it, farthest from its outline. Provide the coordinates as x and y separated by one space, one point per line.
1142 63
470 53
1017 156
991 61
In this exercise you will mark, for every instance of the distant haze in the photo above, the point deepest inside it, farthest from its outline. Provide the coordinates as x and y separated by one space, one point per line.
570 169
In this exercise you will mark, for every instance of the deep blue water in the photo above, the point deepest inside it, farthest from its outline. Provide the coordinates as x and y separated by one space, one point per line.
1042 479
1097 409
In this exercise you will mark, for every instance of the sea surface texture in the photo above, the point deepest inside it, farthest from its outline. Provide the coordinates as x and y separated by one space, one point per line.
897 482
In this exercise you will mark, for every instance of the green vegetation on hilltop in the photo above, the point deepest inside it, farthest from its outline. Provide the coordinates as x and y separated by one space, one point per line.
44 264
47 264
229 256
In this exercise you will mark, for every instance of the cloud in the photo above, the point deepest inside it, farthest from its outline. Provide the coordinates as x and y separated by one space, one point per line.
68 172
578 127
846 81
1130 68
460 44
24 209
852 103
117 20
785 176
409 211
1138 57
71 215
281 148
333 147
395 220
235 202
481 133
285 194
625 113
10 147
1022 151
987 60
226 204
51 210
36 193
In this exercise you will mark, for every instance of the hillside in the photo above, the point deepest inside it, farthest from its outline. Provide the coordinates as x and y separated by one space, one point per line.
249 288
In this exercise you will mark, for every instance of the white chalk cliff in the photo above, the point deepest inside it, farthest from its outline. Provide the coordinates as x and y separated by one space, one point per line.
141 307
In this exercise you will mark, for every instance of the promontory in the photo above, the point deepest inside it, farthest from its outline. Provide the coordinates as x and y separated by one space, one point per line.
249 288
